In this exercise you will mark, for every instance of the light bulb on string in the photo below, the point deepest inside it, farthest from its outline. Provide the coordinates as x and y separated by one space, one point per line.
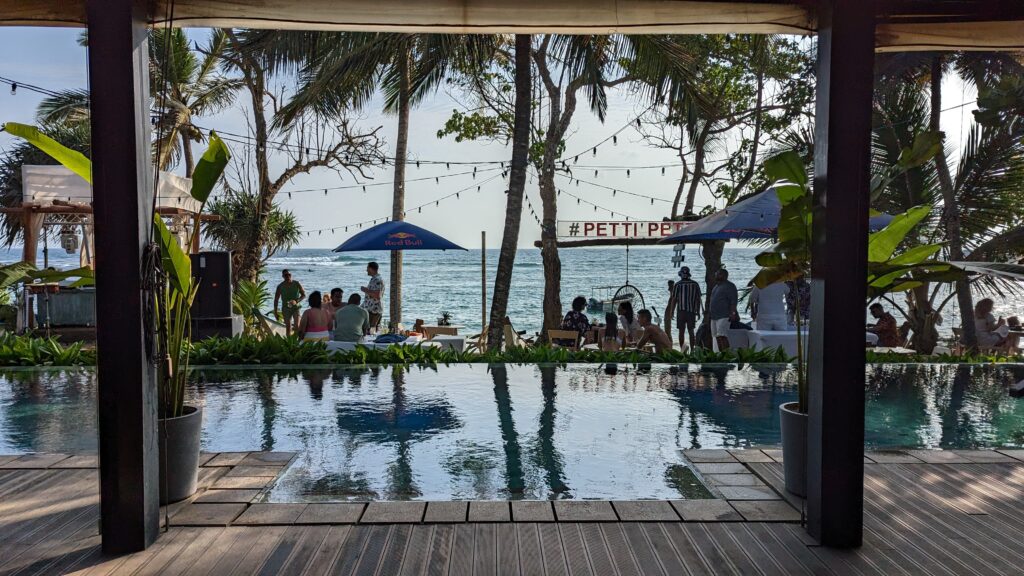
417 164
576 159
325 191
613 193
477 188
638 122
456 194
595 150
289 195
652 201
307 151
364 187
437 180
595 173
627 173
448 165
14 88
577 200
419 210
662 170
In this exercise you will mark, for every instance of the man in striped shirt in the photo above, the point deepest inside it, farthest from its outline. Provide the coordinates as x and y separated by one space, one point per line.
686 299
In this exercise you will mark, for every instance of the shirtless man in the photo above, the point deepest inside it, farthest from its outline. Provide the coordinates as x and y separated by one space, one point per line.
652 333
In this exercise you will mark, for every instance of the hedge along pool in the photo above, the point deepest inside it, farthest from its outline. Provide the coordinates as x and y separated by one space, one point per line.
473 431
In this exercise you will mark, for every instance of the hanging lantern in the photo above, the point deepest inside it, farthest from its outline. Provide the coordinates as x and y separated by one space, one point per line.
68 239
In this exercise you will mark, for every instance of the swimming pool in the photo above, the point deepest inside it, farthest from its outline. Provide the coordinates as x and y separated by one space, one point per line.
473 431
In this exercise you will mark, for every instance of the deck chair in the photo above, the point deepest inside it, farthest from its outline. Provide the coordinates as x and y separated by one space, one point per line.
556 336
514 339
477 343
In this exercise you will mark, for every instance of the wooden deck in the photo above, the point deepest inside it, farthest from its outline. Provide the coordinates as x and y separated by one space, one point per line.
945 512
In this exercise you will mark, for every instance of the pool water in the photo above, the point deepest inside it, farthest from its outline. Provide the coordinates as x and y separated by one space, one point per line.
473 431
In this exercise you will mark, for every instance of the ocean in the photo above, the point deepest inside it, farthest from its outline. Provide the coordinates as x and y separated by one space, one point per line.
436 282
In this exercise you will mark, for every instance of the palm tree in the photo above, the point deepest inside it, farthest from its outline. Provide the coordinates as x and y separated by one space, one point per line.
186 84
658 67
982 70
516 190
338 70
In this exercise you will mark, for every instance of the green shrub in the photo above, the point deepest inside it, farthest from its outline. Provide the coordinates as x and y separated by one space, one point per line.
31 351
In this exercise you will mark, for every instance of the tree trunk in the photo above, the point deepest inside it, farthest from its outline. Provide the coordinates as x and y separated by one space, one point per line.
516 190
186 154
922 317
712 252
549 248
398 201
951 217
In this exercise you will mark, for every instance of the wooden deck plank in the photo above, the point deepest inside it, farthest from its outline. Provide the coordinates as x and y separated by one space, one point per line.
508 550
440 555
731 549
712 553
196 549
756 551
461 560
254 558
663 549
690 555
373 551
485 550
597 550
395 551
642 550
305 549
618 549
528 540
575 552
552 550
212 554
414 562
282 551
336 540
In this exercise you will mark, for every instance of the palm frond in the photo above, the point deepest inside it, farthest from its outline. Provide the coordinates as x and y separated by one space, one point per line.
67 107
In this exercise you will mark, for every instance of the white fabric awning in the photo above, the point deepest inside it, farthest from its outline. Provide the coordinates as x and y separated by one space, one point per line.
43 184
923 27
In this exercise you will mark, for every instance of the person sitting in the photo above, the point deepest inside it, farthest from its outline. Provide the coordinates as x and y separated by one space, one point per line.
575 320
335 303
990 332
611 336
352 321
315 324
885 327
628 321
652 333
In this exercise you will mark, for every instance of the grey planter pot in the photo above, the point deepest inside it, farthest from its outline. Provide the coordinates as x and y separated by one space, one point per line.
794 448
179 454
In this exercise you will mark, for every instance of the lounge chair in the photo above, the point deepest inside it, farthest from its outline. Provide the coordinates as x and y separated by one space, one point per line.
477 343
268 327
514 339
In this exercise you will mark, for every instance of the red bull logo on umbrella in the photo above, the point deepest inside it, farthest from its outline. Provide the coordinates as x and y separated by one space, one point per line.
400 240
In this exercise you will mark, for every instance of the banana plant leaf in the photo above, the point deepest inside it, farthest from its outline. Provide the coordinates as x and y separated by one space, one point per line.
209 168
71 159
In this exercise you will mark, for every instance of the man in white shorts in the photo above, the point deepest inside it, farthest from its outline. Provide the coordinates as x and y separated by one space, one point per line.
722 309
768 307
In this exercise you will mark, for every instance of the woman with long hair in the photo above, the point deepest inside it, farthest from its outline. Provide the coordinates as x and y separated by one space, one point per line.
628 321
991 333
315 323
611 339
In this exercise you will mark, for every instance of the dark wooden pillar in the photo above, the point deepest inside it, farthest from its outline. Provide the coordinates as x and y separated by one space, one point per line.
835 447
123 193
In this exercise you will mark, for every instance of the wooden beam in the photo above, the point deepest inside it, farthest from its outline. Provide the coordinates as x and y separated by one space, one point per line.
122 168
835 444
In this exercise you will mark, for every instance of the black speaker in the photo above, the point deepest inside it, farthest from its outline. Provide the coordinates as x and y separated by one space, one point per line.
226 327
212 270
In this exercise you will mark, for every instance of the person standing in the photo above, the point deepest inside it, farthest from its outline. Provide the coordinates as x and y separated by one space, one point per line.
722 309
373 292
686 299
768 306
291 293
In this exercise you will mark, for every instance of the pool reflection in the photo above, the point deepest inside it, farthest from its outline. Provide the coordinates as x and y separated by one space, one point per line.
516 431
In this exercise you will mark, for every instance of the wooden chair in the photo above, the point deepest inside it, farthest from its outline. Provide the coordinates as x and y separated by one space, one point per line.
512 338
571 335
477 343
430 332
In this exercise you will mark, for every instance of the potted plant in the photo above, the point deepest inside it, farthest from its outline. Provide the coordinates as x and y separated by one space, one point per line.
445 319
180 426
789 259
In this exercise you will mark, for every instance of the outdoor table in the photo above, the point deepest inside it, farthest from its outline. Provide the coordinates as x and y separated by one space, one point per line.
870 339
449 342
763 339
334 345
893 350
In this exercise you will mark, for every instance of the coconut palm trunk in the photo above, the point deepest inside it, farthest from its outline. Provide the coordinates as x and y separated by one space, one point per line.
516 190
398 201
951 216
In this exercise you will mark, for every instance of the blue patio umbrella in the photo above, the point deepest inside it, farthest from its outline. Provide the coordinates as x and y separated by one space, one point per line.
396 235
753 218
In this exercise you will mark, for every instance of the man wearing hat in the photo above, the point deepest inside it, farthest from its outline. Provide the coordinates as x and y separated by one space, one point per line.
687 300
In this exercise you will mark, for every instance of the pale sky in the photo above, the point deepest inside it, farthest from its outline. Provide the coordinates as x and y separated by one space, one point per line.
52 59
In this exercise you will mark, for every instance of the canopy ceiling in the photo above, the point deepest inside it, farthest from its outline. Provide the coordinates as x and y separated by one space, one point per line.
904 24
